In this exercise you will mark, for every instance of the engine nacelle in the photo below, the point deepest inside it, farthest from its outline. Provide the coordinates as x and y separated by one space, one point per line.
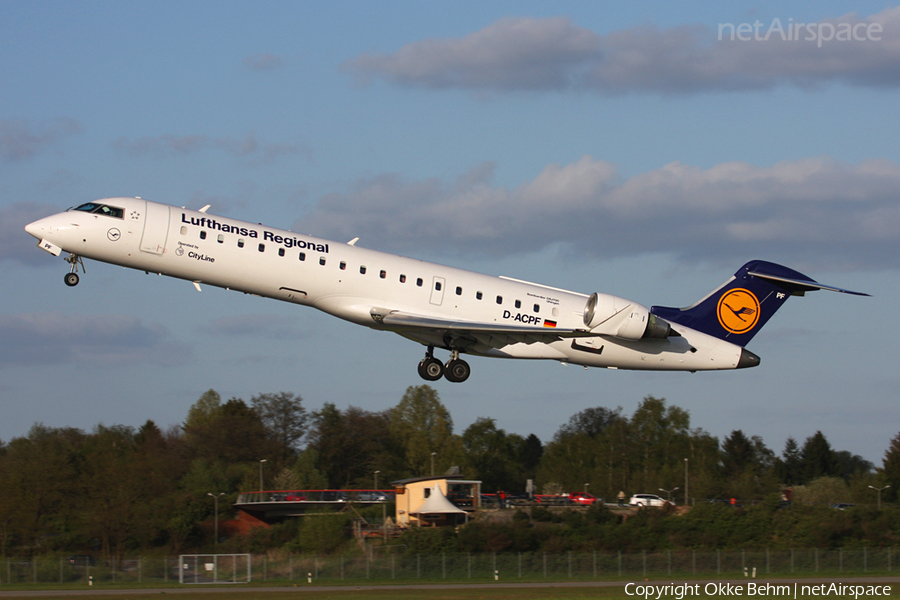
610 315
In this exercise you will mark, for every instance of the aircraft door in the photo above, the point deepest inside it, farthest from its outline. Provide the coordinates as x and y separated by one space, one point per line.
437 291
156 228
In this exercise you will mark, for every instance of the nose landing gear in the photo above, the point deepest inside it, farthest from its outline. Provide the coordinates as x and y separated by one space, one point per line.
456 370
71 277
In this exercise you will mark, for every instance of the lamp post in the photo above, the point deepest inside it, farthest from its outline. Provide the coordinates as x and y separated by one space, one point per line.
687 500
586 486
669 492
432 463
376 479
216 498
261 475
879 490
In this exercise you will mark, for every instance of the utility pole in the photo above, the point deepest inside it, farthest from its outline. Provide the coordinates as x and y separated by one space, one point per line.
687 497
879 490
216 498
669 492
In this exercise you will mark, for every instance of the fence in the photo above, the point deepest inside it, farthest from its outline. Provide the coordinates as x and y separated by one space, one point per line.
384 566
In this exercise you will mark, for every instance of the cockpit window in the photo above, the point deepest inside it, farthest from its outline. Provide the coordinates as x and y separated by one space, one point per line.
101 209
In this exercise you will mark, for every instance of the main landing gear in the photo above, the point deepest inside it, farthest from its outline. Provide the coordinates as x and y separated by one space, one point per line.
456 370
71 277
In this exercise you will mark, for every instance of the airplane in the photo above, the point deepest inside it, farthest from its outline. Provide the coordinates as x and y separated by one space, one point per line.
437 306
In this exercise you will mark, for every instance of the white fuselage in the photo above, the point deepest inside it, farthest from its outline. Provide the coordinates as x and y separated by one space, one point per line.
349 282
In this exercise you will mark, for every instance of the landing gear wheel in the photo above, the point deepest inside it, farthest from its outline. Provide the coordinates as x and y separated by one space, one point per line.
431 369
71 279
457 370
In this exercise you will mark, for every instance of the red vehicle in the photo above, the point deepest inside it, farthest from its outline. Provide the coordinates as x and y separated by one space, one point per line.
582 498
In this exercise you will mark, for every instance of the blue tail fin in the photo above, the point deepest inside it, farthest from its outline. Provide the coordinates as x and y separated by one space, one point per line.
739 309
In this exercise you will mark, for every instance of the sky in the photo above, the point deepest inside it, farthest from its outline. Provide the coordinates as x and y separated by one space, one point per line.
645 149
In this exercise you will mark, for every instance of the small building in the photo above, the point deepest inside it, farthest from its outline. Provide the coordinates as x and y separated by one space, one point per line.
435 501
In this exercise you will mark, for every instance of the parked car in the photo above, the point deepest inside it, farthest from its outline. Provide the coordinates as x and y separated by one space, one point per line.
294 497
582 498
372 496
842 506
648 500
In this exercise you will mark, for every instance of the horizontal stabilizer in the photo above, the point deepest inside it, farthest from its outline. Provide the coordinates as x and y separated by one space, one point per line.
805 284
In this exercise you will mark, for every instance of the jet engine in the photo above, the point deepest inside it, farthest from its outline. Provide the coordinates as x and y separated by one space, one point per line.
610 315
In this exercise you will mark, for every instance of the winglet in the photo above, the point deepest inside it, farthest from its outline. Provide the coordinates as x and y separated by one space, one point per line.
353 241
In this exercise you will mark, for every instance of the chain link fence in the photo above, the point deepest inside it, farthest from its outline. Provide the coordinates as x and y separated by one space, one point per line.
383 565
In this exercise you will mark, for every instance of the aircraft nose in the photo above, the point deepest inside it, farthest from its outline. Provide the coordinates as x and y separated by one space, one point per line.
37 228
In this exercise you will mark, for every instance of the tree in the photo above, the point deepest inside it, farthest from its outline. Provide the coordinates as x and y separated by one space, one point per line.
789 467
591 421
421 425
349 445
228 433
283 414
819 460
890 470
491 456
204 411
530 454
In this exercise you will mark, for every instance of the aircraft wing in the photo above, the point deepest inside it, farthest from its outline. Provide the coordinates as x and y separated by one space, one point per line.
488 333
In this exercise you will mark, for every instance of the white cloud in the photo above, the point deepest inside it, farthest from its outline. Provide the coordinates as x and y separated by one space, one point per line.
846 214
21 139
96 340
271 327
248 149
554 54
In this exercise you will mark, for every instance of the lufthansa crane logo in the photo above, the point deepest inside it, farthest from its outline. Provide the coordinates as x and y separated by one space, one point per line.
738 310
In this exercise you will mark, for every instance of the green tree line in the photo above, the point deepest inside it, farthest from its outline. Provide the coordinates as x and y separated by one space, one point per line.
119 489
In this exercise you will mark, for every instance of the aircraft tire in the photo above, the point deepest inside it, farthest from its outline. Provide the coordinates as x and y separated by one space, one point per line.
431 369
71 279
457 371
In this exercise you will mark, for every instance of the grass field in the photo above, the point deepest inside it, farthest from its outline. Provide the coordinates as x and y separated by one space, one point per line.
568 591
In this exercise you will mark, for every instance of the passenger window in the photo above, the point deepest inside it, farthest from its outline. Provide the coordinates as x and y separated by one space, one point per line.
220 238
202 235
383 274
343 266
362 270
518 304
183 230
458 291
419 282
537 308
479 295
437 286
499 299
240 243
402 278
262 247
281 252
322 260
